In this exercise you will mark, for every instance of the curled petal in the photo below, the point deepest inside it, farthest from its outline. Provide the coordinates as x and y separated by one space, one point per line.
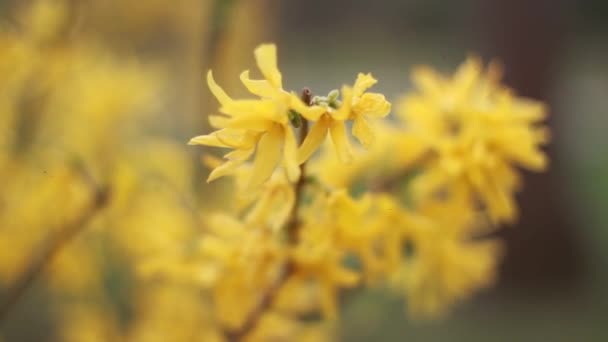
363 82
337 130
261 88
314 139
266 58
217 91
373 105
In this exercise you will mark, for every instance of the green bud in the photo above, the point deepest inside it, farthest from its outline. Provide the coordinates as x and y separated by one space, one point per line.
333 95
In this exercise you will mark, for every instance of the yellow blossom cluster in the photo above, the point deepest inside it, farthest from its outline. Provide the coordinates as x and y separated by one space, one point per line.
99 212
410 209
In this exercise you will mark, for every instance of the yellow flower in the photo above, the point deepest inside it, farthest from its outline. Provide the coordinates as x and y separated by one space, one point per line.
260 125
445 261
247 259
317 259
358 106
479 133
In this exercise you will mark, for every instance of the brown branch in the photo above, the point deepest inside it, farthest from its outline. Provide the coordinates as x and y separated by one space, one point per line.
292 226
40 260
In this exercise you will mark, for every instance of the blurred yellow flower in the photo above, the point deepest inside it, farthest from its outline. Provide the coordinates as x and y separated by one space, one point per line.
478 132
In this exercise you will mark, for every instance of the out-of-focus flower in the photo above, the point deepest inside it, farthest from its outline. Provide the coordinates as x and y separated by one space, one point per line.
478 131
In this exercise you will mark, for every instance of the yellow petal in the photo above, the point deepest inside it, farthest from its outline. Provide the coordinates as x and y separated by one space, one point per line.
267 157
340 140
373 105
363 82
363 132
250 123
207 140
344 111
218 121
468 73
217 91
224 138
223 170
240 155
266 58
261 88
314 139
290 155
428 81
238 139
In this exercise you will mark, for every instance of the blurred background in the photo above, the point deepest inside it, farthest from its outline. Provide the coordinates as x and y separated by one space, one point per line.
553 281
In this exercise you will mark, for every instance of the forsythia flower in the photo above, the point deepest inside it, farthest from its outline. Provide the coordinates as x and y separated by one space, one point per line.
356 105
478 132
264 125
261 125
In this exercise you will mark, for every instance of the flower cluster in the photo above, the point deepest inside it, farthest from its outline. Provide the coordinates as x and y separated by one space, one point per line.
411 208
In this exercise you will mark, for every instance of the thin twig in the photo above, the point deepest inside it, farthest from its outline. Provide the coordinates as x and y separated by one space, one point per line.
40 260
293 224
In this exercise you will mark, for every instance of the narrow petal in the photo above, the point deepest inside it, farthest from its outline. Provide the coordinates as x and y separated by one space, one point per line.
363 132
314 139
338 136
221 138
363 82
217 91
372 104
266 57
267 157
250 123
240 155
232 138
261 88
218 121
290 155
223 170
207 140
428 81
